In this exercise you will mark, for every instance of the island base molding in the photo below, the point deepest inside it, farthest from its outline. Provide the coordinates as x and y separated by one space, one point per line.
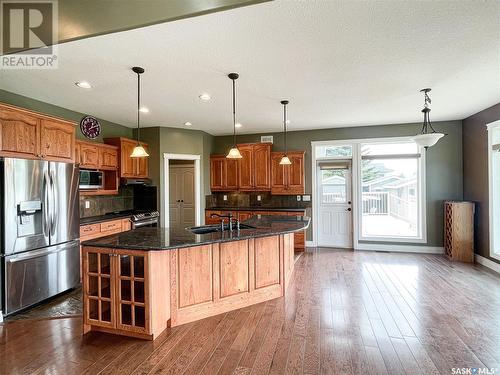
140 293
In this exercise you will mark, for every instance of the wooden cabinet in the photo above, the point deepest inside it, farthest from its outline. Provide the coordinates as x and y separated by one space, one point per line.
26 134
108 157
57 140
119 289
288 179
92 155
89 155
129 167
223 173
254 168
459 231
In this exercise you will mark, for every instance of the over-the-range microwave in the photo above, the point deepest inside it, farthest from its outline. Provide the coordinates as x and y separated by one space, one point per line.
90 180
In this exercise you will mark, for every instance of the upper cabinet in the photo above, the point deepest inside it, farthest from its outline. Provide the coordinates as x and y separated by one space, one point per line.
287 179
129 167
255 166
223 173
92 155
26 134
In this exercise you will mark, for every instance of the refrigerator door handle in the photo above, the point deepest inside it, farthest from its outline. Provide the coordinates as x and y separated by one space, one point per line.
54 204
46 210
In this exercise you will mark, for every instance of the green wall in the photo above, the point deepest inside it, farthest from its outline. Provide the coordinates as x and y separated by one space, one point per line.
163 140
443 162
109 129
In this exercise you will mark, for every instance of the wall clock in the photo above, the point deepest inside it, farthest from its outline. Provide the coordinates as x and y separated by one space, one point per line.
90 127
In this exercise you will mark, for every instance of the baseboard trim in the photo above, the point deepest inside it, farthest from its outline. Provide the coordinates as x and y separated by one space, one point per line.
401 248
487 263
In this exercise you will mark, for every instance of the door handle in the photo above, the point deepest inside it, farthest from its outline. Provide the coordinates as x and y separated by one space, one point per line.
349 209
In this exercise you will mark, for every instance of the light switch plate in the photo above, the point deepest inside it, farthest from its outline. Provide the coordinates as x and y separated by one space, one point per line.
87 204
306 198
299 198
259 198
224 197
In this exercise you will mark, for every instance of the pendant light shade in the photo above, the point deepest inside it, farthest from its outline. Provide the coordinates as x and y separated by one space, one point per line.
234 153
138 151
285 160
428 137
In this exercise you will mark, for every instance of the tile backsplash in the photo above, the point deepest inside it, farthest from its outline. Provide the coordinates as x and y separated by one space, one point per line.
251 200
103 204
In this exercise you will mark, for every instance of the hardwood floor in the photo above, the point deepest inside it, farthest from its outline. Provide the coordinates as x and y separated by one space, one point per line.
346 313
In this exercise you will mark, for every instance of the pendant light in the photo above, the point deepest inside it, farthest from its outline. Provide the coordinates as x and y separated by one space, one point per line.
139 151
427 137
285 160
234 153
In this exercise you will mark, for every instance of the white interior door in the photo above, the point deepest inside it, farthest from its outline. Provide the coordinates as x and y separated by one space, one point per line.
334 227
181 196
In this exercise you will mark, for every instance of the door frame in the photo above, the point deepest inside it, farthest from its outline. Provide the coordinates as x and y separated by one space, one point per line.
165 217
318 202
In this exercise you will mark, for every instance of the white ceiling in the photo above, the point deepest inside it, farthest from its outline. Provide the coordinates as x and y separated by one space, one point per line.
340 63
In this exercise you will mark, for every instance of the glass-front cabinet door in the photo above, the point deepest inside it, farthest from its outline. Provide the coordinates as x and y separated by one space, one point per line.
132 293
98 290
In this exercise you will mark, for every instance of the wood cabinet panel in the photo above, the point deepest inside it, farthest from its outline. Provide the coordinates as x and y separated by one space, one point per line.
20 133
142 165
126 225
90 229
108 157
217 173
89 155
287 179
129 167
278 174
244 215
262 166
234 268
194 275
111 226
267 261
127 164
231 175
57 140
246 168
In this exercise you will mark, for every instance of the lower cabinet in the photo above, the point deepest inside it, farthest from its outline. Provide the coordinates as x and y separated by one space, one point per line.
120 289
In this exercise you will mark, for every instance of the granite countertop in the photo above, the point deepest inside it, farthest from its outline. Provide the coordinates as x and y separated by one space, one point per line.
151 239
255 209
106 217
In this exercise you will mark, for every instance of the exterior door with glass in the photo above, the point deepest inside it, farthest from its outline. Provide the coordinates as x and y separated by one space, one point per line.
334 227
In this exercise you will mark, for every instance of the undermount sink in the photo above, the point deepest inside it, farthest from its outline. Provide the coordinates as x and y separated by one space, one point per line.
203 229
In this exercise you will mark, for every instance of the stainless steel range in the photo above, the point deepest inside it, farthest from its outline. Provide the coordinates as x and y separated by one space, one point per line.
39 231
145 219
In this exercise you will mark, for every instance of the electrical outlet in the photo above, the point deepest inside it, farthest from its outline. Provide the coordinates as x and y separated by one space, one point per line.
259 198
306 198
87 204
299 198
224 197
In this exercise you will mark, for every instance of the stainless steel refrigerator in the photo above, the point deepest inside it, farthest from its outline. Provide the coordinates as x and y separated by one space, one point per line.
39 231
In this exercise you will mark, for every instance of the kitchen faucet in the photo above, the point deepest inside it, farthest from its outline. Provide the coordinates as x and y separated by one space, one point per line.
230 220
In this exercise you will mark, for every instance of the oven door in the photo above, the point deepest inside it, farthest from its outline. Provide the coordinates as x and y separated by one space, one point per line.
145 223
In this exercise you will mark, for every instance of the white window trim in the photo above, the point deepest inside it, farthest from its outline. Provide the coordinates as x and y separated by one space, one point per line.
491 216
358 239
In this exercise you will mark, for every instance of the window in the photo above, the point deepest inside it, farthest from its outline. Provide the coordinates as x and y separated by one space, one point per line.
334 151
391 191
334 185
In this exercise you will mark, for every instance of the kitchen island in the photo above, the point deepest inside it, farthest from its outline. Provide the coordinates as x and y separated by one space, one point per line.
137 283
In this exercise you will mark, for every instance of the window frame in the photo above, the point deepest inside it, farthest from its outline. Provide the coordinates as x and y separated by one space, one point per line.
421 197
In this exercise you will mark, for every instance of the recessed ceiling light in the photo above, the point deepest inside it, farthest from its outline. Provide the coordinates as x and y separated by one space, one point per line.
238 125
205 97
287 122
144 110
83 85
187 123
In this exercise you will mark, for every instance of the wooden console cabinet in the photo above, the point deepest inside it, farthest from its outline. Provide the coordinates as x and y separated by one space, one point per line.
30 135
459 231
